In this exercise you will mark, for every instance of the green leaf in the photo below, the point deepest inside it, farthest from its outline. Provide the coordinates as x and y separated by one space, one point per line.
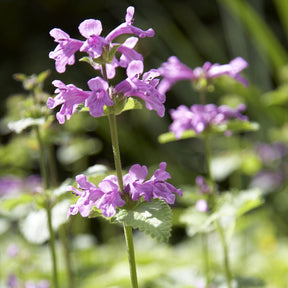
276 97
237 204
35 226
154 218
196 221
20 125
232 126
224 165
112 52
170 136
130 104
43 76
11 203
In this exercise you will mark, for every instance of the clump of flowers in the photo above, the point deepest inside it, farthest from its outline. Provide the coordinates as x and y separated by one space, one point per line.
107 196
104 55
200 117
174 70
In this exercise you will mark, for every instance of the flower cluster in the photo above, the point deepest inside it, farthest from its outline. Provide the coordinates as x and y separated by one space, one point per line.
199 117
174 70
102 56
107 196
12 185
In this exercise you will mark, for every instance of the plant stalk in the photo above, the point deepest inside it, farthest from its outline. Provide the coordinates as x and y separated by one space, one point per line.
213 202
127 229
131 255
44 175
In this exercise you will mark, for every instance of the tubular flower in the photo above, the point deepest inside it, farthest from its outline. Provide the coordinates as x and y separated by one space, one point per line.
96 45
107 197
65 50
69 96
91 30
128 28
146 89
174 70
199 117
98 97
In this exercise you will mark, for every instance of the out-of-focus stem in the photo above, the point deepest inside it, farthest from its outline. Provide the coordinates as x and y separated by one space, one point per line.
48 207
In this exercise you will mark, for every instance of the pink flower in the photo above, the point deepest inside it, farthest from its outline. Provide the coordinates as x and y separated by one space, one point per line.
199 117
98 97
128 28
174 70
91 30
69 96
65 50
107 197
145 88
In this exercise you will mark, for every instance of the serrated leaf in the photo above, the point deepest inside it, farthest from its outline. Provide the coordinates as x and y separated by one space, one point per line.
19 126
154 218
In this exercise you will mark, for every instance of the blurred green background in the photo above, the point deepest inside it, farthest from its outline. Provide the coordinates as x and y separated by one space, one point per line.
194 31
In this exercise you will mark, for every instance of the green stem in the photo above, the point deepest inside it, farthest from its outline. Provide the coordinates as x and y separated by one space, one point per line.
213 202
116 150
131 255
118 167
206 258
226 256
127 229
52 245
67 258
47 206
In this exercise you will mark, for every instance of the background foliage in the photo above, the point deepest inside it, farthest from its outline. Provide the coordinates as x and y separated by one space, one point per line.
194 31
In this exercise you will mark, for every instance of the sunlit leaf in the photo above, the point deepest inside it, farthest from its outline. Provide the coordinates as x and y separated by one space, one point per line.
154 218
19 126
231 126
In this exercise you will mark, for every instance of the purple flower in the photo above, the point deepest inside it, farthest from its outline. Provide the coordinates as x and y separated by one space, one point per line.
144 89
128 53
13 281
12 250
128 28
174 71
202 205
41 284
199 117
98 97
268 181
202 185
95 44
107 196
10 185
65 50
91 30
271 152
69 96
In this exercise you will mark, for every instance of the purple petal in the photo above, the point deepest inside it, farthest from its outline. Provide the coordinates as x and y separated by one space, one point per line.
90 27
